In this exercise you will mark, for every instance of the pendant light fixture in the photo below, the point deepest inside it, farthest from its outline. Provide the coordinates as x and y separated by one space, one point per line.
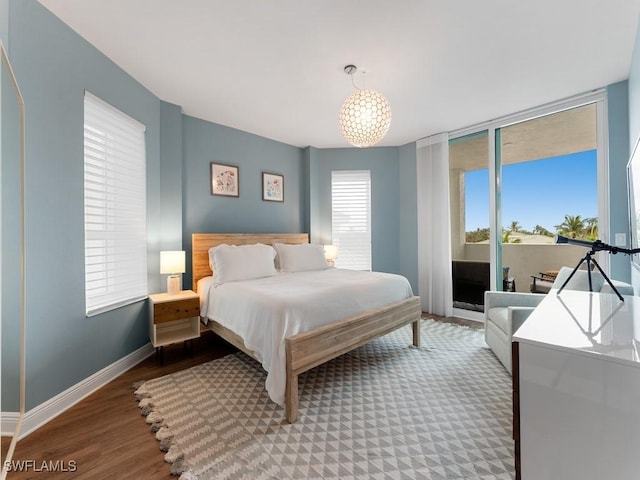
365 116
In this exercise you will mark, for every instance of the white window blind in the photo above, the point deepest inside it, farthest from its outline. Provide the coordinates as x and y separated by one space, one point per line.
351 218
114 207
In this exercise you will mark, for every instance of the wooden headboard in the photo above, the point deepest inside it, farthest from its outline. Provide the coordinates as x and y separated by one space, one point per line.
202 242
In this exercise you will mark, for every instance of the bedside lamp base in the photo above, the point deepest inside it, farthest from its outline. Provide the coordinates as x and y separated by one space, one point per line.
173 284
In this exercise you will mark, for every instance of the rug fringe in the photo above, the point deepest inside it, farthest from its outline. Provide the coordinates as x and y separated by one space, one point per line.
162 432
173 454
165 444
178 467
156 426
141 391
153 417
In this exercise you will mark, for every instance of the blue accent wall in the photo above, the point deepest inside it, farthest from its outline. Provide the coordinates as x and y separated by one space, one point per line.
171 181
618 120
54 66
10 243
4 23
384 166
205 142
408 214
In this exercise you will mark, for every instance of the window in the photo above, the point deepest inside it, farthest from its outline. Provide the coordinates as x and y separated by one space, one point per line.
351 218
114 207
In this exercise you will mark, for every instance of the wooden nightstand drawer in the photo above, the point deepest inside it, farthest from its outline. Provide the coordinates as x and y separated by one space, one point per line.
173 318
176 310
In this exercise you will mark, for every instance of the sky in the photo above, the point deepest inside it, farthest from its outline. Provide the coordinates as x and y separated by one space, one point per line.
539 192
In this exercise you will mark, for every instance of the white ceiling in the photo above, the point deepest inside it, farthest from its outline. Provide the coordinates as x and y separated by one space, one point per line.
275 67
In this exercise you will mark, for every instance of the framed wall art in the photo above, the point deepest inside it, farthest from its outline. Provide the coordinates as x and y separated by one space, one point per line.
272 187
225 180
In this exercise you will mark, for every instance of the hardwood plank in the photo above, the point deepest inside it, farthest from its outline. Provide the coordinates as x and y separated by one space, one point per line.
4 446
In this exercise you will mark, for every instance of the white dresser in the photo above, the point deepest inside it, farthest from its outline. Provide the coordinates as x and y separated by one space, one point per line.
577 388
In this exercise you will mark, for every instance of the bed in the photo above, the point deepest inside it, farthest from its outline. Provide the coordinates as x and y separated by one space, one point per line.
309 348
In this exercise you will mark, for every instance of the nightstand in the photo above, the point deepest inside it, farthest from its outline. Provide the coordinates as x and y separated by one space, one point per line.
173 318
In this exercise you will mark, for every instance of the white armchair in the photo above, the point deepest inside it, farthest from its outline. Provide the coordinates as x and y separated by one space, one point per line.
504 312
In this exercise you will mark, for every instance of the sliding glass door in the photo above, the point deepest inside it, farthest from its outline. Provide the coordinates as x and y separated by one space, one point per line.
549 186
470 220
514 184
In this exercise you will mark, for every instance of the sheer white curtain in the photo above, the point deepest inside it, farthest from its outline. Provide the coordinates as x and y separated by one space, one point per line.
434 225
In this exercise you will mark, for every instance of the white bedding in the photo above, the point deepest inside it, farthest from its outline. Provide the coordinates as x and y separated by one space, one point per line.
264 311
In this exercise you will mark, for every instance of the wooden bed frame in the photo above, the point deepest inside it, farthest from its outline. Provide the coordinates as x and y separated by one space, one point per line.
315 347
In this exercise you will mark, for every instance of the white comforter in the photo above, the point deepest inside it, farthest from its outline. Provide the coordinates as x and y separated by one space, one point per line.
265 311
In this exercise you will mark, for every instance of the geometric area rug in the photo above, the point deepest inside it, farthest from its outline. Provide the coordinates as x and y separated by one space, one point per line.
383 411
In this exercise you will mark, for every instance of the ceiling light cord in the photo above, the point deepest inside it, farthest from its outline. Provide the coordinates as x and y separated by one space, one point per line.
353 82
351 71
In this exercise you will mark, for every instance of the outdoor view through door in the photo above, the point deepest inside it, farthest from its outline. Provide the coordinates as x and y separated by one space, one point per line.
547 171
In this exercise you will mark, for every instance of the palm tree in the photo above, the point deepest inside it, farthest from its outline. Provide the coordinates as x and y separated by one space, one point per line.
540 230
506 237
572 226
515 226
591 228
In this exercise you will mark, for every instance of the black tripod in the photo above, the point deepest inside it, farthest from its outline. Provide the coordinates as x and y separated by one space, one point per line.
588 258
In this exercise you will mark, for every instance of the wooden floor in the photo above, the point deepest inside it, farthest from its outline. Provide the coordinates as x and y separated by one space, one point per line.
105 435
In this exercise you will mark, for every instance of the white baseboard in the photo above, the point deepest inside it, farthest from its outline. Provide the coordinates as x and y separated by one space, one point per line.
47 411
8 423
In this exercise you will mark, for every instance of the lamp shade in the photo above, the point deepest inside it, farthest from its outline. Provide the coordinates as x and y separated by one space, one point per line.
364 118
172 261
330 252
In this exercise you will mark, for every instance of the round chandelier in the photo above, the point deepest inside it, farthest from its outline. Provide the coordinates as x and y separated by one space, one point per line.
365 116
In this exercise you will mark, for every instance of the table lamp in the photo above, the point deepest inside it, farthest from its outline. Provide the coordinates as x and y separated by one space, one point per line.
173 263
331 254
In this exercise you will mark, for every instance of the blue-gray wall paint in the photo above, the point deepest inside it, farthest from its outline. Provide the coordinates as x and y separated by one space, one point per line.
408 214
4 23
618 121
171 181
54 66
204 142
312 195
383 164
634 120
11 241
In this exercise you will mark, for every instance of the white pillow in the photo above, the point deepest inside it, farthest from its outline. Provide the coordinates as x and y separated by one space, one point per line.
241 262
300 258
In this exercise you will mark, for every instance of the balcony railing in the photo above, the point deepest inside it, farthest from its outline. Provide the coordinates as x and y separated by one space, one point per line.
525 260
